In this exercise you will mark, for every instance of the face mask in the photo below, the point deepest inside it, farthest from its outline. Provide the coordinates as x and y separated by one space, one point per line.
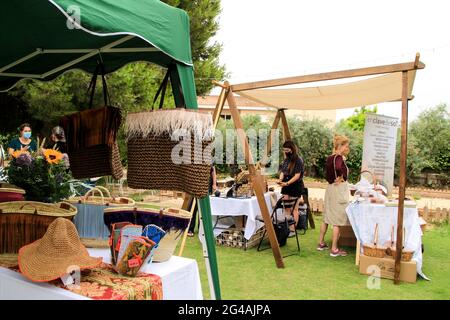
27 135
288 154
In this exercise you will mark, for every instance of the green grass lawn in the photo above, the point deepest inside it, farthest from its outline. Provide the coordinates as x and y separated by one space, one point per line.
315 275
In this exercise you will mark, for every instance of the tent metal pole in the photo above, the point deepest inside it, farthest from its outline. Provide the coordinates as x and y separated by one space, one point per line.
402 180
207 239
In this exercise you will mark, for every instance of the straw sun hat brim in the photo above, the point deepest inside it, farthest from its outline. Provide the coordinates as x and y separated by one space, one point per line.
43 268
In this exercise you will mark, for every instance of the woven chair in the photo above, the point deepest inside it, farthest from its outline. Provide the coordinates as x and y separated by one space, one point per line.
282 204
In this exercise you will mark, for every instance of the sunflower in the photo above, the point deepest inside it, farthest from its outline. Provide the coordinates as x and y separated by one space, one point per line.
53 156
16 154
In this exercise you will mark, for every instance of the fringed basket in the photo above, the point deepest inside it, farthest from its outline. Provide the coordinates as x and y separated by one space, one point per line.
173 221
89 220
169 150
23 222
374 250
9 192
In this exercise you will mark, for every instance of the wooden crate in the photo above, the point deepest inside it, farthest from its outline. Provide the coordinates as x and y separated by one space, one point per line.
234 237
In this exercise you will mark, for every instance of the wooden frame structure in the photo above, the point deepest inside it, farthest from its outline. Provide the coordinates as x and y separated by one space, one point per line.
227 95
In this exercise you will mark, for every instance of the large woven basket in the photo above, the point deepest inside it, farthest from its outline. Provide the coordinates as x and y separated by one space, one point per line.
23 222
172 220
89 220
91 142
151 150
9 192
96 161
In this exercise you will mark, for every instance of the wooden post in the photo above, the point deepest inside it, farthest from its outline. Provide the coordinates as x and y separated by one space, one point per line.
219 106
286 132
402 182
258 183
268 148
183 242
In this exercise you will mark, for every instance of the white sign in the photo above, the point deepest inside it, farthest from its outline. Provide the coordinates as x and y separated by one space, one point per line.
380 138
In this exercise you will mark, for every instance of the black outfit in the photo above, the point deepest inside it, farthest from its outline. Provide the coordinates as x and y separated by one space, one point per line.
58 145
295 189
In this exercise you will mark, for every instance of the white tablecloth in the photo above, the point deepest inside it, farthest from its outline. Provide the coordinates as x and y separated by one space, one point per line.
364 216
240 207
180 279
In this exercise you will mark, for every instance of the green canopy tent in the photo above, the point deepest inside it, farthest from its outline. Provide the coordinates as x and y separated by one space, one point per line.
43 39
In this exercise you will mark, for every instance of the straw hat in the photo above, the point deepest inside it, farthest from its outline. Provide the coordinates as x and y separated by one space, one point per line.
49 257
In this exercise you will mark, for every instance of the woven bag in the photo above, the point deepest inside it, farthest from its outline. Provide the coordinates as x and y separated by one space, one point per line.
91 137
89 220
150 150
23 222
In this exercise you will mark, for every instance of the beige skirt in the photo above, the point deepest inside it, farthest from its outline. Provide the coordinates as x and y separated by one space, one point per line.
337 197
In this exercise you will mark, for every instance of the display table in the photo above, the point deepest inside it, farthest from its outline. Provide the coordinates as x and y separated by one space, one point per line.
180 279
249 207
364 216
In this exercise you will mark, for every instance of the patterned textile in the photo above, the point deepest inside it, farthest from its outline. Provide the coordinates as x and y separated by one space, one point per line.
104 283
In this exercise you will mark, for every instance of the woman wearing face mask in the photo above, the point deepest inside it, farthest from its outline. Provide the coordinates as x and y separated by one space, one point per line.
24 141
291 177
336 195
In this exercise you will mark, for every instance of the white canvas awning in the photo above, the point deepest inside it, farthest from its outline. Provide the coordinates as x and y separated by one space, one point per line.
383 88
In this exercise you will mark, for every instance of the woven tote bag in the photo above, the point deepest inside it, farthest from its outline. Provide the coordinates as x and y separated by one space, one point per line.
159 159
91 137
23 222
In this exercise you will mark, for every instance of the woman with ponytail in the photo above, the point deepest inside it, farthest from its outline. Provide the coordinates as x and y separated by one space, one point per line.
291 177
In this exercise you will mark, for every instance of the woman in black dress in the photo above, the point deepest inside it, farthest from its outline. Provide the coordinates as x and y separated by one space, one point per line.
291 176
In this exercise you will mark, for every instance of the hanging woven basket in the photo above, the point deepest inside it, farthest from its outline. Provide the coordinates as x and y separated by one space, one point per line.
159 159
23 222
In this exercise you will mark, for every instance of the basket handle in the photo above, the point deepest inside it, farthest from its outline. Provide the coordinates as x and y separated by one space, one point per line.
374 178
392 236
31 205
86 196
375 237
107 193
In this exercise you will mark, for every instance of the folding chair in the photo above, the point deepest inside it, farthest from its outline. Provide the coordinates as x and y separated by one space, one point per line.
282 204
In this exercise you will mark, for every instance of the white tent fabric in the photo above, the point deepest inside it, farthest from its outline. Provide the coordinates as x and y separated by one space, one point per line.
359 93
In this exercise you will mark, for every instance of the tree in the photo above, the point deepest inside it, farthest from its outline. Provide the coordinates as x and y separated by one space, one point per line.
357 121
430 135
314 139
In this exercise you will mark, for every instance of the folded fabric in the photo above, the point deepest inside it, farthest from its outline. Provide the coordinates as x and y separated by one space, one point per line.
114 238
154 233
135 255
128 230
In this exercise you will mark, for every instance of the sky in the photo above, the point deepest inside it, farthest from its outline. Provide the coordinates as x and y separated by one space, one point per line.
265 39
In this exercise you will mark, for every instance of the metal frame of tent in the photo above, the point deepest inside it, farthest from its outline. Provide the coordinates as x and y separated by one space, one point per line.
227 95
